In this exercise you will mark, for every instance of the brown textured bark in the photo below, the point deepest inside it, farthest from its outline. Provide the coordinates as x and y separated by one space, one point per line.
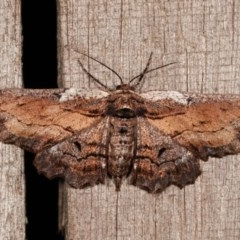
12 194
202 37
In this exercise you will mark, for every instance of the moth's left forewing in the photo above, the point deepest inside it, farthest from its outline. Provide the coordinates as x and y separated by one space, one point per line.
35 119
207 125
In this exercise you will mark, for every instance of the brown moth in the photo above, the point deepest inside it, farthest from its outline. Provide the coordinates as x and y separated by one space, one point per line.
155 139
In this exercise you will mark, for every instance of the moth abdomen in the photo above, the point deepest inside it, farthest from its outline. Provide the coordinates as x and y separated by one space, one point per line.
121 148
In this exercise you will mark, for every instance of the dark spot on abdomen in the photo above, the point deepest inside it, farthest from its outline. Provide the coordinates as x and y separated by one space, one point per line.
123 130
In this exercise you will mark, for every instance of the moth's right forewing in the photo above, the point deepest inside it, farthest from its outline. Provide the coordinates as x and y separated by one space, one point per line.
35 119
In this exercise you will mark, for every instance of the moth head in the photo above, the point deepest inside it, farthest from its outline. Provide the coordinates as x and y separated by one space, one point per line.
125 105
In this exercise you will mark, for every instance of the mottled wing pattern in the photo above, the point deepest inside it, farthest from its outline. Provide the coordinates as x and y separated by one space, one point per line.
80 159
36 119
160 161
177 132
66 131
207 125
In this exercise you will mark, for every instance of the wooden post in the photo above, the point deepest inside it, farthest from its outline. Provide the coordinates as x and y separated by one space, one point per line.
202 36
12 191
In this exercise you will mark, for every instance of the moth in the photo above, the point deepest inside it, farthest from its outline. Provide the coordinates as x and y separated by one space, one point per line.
153 139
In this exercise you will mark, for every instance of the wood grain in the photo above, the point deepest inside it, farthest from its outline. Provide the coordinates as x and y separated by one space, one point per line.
203 38
12 191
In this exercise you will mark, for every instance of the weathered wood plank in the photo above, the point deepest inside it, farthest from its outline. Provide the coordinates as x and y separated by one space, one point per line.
202 36
12 191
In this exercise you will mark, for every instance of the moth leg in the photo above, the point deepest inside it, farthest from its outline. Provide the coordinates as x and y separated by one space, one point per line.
66 160
155 178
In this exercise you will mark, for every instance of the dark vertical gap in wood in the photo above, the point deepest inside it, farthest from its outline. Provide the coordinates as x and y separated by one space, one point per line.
39 59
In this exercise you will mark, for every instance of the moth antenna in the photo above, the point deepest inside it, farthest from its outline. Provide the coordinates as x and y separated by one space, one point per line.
145 71
151 70
104 66
90 75
141 75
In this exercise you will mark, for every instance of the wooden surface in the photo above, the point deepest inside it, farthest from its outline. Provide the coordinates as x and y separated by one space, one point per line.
12 192
203 37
